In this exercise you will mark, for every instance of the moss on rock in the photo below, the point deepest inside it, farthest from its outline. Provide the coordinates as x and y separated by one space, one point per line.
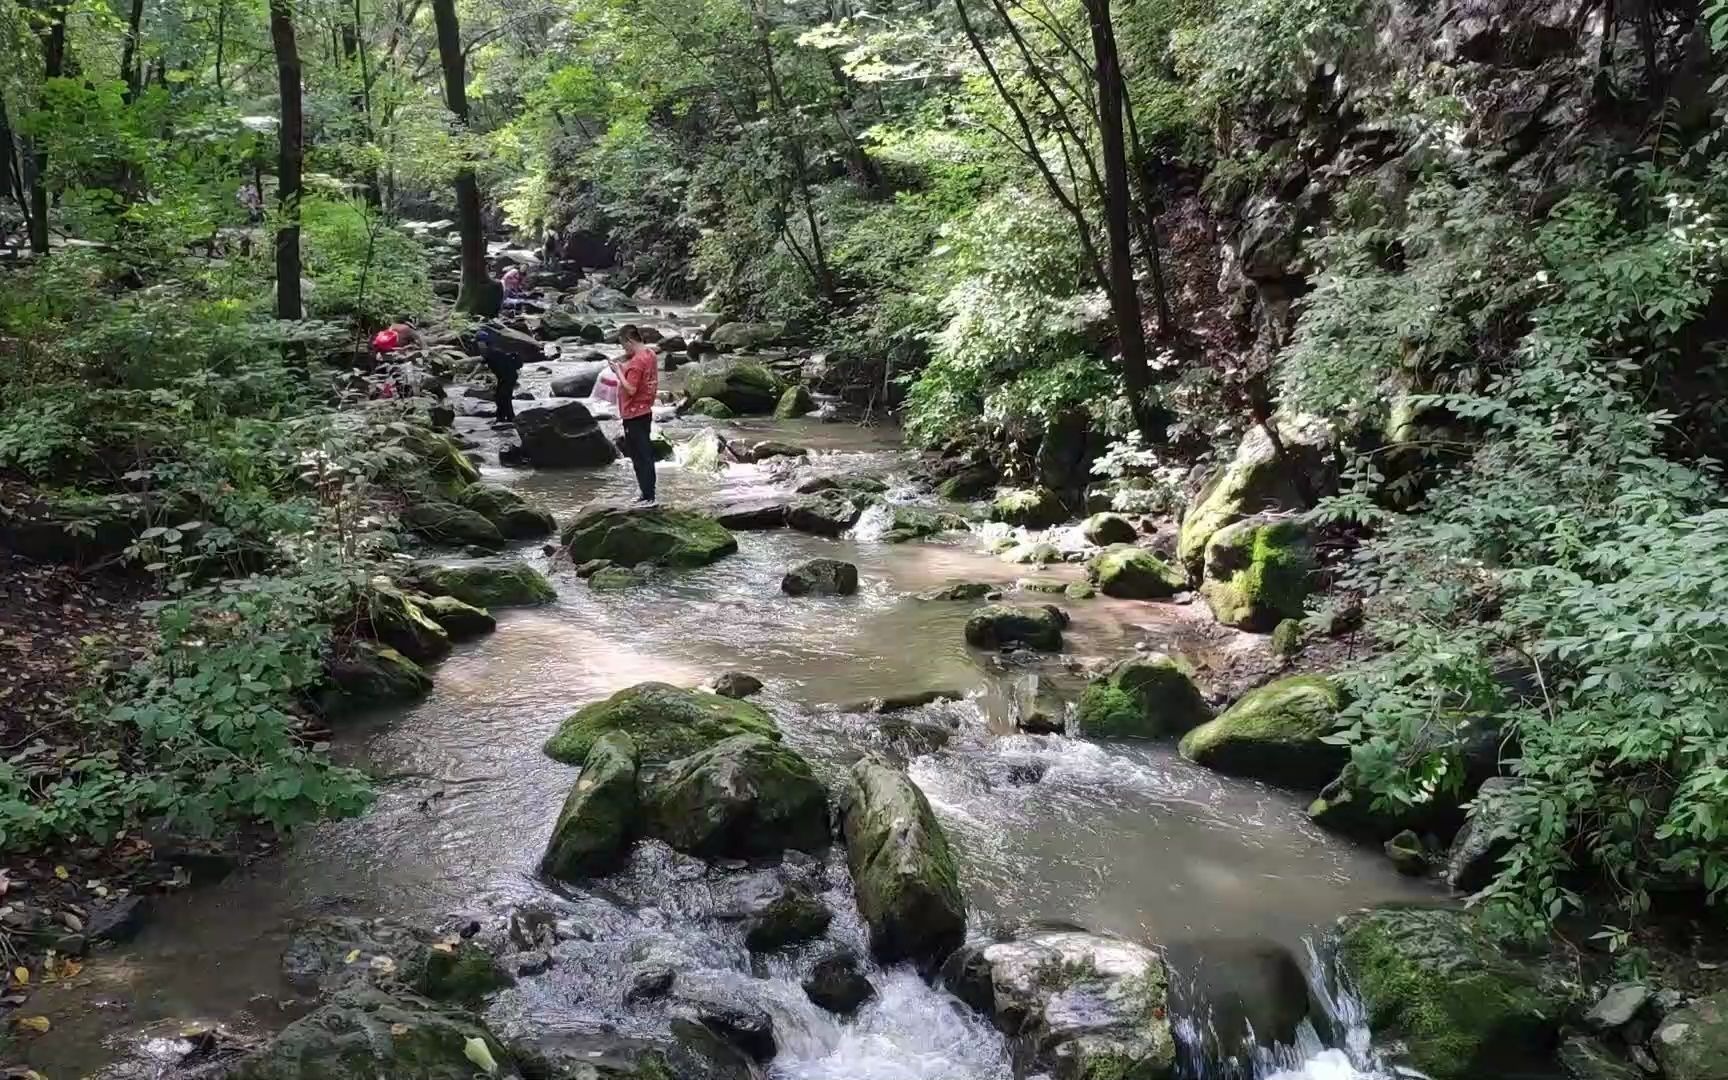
447 523
460 620
1133 573
370 675
633 535
1274 734
1144 697
599 816
1258 572
747 389
1000 625
795 402
401 623
712 408
903 873
1032 508
744 796
665 722
1436 981
509 512
1107 528
1259 478
490 583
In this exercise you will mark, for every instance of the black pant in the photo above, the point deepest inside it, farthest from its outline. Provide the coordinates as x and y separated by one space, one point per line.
641 451
505 396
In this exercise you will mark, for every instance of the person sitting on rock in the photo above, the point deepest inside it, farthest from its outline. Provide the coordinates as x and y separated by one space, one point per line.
638 387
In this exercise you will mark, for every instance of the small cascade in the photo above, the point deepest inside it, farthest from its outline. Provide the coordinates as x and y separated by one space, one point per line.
1331 1043
874 523
701 452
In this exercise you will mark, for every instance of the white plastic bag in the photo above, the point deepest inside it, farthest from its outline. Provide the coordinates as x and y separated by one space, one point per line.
606 388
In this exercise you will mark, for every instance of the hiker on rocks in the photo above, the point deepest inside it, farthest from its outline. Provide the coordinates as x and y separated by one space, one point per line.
514 281
638 386
504 353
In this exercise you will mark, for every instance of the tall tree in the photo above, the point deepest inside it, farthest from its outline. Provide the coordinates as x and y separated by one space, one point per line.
53 66
479 294
130 68
289 148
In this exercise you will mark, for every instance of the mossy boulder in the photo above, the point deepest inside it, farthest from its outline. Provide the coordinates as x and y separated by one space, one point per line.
600 814
969 483
336 952
903 873
960 590
1258 479
488 583
1032 508
742 797
1076 1004
364 1034
399 622
1133 573
630 536
611 578
447 523
828 513
1002 626
1107 529
1259 572
1144 697
1275 734
793 918
1288 637
795 402
1692 1043
460 620
1437 982
442 459
665 722
1033 554
745 335
747 389
914 523
370 675
509 512
712 408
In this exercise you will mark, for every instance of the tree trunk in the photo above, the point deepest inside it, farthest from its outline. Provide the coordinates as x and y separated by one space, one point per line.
800 161
53 64
479 294
130 69
289 149
11 175
1124 297
221 43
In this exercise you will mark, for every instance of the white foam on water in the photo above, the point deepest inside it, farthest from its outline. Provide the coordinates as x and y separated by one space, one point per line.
909 1032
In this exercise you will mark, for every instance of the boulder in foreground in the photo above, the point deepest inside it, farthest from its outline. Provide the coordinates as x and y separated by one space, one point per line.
1002 626
903 872
1143 697
364 1034
742 797
630 536
599 816
490 583
1275 734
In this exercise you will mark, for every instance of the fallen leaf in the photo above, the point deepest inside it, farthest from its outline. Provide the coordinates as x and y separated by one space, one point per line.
444 946
398 1029
38 1024
353 955
383 965
70 968
476 1050
73 922
62 873
21 975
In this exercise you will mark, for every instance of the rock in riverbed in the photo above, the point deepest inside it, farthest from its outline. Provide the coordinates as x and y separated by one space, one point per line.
364 1034
633 535
1033 508
1133 573
821 577
340 951
1274 734
827 514
446 523
902 870
666 722
1077 1004
563 436
747 389
1000 626
599 817
1143 697
491 583
509 512
836 984
370 675
744 796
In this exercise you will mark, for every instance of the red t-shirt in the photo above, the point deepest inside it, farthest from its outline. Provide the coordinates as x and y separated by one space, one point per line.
644 367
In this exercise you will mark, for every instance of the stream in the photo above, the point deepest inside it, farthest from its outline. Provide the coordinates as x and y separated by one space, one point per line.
1122 838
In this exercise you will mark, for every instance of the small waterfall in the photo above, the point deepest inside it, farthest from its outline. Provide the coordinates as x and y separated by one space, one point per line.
700 453
874 523
1332 1043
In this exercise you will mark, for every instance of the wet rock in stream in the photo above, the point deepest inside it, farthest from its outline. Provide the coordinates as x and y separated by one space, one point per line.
745 796
369 675
1275 734
821 577
364 1033
903 873
563 436
793 918
1003 626
633 535
736 684
837 984
340 951
599 817
753 515
665 721
827 514
490 583
1144 697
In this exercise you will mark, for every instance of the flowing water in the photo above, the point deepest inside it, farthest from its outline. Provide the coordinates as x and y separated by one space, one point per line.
1124 838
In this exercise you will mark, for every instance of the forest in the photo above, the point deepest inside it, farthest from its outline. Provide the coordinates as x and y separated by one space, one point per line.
1385 338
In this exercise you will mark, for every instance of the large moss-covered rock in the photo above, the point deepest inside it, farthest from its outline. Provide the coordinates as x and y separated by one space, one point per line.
795 402
1106 529
370 675
1257 479
508 511
334 952
633 535
489 583
960 590
1077 1004
745 335
903 873
1258 572
599 816
1435 981
711 408
744 796
460 620
1144 697
365 1034
1033 508
1133 573
666 722
969 483
914 523
1002 626
399 622
441 458
1274 734
1692 1043
745 388
446 523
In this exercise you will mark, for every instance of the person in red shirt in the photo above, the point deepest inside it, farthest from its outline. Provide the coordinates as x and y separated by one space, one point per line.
638 386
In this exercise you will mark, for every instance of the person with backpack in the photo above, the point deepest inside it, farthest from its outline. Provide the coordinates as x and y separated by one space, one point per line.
504 352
